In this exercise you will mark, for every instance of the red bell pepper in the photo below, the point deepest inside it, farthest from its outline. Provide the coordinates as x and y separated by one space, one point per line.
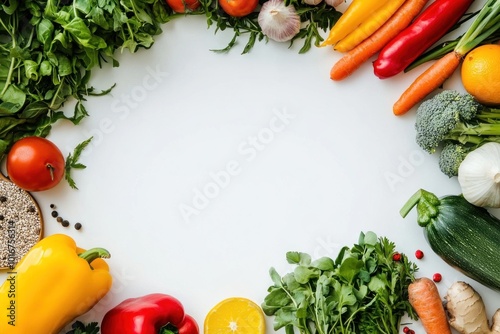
151 314
428 28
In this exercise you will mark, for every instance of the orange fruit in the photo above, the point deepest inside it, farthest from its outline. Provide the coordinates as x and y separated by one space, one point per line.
481 74
235 315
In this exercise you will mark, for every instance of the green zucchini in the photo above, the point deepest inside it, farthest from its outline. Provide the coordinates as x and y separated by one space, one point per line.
465 236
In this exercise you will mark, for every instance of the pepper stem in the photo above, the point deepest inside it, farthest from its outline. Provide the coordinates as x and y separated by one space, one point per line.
168 329
95 253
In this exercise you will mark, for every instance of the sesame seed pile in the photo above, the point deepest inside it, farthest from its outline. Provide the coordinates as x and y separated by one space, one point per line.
20 223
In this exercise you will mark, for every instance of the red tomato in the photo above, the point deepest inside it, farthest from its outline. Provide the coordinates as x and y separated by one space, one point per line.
180 6
238 8
35 164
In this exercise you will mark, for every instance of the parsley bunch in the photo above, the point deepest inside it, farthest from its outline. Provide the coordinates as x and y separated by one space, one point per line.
362 291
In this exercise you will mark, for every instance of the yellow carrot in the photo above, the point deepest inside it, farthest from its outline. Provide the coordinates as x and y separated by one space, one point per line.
357 12
368 27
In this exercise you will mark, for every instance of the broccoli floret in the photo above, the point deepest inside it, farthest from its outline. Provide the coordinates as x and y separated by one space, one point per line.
454 116
452 156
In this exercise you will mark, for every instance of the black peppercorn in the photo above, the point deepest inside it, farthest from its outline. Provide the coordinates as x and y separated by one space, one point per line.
3 199
59 219
65 223
78 226
54 214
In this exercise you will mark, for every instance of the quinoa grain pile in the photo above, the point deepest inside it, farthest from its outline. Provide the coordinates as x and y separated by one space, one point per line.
21 223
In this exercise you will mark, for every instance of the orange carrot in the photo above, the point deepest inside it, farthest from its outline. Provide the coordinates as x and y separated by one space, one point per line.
427 82
353 59
424 297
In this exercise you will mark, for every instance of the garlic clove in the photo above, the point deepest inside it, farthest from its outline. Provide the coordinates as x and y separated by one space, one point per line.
334 3
479 176
278 21
312 2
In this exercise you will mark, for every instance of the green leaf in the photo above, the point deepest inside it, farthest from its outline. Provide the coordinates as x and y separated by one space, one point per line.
31 70
275 277
370 238
72 162
275 300
11 8
15 96
44 31
34 110
304 274
298 258
324 263
350 268
9 123
377 284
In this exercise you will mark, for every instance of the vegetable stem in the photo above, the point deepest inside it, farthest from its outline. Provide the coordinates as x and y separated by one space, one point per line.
410 204
12 34
94 253
487 22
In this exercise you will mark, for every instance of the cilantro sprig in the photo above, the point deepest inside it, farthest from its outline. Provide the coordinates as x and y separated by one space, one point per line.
362 291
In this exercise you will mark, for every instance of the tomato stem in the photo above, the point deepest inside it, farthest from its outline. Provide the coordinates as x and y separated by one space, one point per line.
51 171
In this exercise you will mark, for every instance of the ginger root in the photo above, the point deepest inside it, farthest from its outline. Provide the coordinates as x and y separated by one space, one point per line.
466 311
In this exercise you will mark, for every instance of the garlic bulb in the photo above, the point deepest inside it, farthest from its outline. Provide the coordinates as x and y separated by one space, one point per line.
312 2
278 21
334 3
479 176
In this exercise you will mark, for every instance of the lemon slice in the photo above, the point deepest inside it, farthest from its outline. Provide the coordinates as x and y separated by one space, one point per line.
235 315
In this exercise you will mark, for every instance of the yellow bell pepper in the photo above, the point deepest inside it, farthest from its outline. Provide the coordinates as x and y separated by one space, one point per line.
357 12
54 283
368 27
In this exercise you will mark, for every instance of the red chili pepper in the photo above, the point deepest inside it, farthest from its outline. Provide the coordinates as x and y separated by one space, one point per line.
432 24
150 314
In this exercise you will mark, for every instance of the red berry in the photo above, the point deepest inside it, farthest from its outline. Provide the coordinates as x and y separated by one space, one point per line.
396 257
411 331
406 329
419 254
437 277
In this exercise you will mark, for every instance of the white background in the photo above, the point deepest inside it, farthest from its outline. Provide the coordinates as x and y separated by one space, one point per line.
339 163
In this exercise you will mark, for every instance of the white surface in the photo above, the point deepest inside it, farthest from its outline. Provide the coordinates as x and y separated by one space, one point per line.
335 162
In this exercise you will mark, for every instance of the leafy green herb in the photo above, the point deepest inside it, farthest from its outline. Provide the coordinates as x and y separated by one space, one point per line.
72 162
48 50
362 291
79 327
